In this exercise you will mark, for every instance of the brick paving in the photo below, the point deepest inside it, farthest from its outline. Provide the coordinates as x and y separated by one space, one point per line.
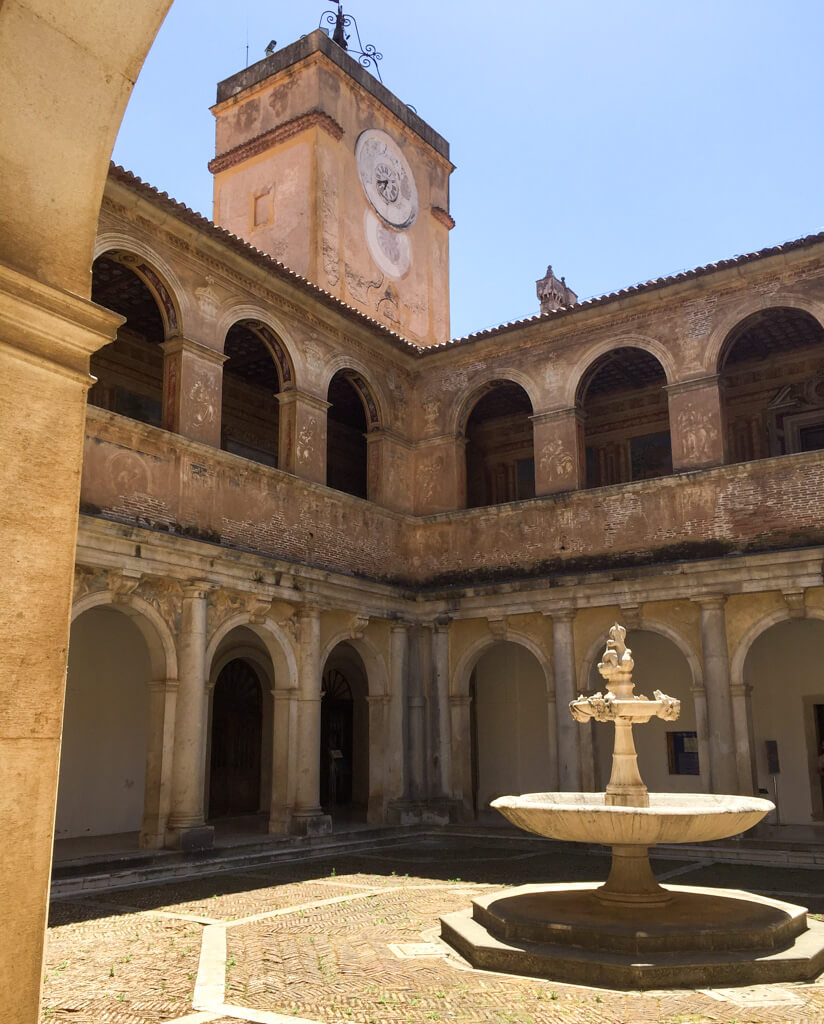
343 940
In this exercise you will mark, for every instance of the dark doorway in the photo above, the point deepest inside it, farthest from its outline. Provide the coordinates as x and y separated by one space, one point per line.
237 717
336 740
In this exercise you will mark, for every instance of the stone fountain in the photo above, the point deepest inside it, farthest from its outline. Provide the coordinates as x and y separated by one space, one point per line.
632 932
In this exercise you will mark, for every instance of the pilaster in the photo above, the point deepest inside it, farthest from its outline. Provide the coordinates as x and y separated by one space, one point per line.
558 438
696 415
192 390
302 443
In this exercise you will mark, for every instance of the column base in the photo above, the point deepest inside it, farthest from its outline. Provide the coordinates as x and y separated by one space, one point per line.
310 823
190 838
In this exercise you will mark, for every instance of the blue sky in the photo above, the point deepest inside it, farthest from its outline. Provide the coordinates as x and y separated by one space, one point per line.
618 140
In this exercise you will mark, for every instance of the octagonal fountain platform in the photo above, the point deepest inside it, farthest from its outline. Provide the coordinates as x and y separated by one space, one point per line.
631 932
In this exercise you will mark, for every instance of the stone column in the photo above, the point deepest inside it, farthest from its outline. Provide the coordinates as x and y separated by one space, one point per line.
558 439
389 465
440 676
187 828
416 721
380 756
283 749
159 760
552 733
46 339
302 443
744 762
308 818
192 390
569 737
723 765
699 697
461 727
397 746
697 430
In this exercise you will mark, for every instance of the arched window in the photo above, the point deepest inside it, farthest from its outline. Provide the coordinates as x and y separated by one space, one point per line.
500 462
351 413
626 418
772 369
252 378
129 371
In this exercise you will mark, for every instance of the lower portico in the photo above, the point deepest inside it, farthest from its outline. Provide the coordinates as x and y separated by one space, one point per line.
324 702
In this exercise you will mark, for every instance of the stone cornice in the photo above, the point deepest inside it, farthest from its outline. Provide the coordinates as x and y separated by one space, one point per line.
55 329
443 217
260 143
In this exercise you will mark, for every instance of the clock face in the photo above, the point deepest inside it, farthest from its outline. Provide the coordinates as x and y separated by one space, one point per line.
386 178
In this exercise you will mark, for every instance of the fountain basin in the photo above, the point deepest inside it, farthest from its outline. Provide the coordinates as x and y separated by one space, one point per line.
670 817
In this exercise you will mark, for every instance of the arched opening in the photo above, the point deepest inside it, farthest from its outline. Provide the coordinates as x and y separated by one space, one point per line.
772 373
240 755
346 426
250 419
500 454
344 735
129 370
626 418
668 752
783 668
237 732
511 745
105 731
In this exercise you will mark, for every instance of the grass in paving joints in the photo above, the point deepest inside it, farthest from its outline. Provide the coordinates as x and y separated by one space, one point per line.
113 958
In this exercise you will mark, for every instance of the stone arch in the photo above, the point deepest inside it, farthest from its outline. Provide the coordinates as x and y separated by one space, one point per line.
625 425
503 737
459 682
274 639
372 399
466 401
272 333
577 373
755 303
755 630
155 630
498 436
789 714
155 272
377 675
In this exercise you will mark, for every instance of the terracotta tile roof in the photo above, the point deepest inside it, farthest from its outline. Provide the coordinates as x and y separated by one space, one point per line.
197 220
189 216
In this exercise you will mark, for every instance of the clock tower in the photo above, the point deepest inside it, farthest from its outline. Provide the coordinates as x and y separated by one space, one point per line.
319 165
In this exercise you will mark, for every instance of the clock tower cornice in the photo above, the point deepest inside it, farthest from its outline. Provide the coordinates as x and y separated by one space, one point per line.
317 47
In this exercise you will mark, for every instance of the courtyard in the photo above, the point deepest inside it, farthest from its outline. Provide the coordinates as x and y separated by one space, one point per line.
353 938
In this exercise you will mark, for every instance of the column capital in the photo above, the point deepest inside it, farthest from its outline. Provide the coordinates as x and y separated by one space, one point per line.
441 624
710 601
197 589
693 384
561 614
293 395
197 348
281 694
459 701
554 415
308 611
399 626
379 698
741 689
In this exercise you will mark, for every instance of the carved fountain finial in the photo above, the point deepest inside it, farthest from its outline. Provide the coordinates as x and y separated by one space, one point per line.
624 708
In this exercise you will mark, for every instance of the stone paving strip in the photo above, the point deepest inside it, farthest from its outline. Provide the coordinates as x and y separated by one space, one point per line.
285 945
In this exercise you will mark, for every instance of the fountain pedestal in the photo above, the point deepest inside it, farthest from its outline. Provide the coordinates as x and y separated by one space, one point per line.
632 932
